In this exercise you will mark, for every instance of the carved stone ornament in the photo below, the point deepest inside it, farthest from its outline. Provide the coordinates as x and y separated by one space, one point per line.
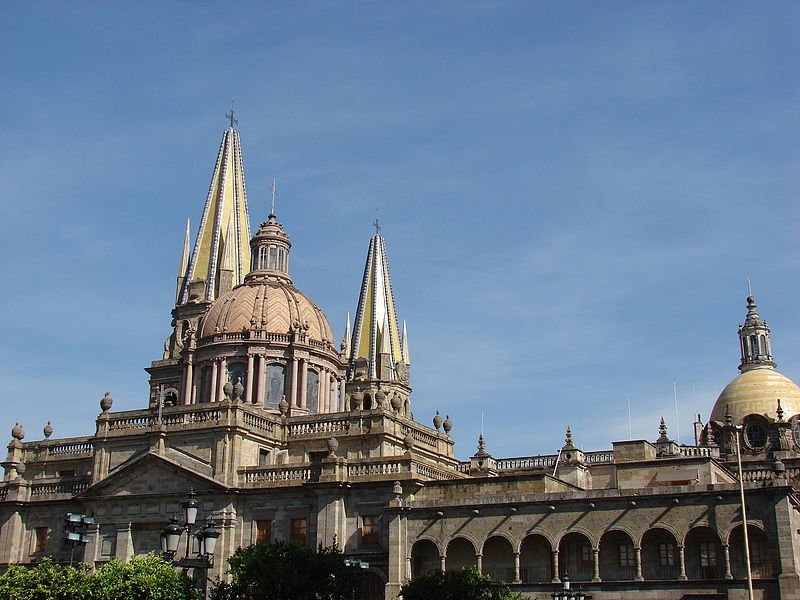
106 402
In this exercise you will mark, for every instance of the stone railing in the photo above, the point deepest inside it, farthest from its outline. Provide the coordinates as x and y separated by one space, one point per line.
703 451
526 462
317 426
420 436
277 474
70 450
758 475
599 457
392 466
258 422
433 472
58 488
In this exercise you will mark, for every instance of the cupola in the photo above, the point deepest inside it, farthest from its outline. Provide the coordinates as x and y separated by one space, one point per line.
269 250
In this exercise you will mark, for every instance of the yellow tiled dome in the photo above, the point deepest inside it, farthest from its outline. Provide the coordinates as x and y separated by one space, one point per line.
757 391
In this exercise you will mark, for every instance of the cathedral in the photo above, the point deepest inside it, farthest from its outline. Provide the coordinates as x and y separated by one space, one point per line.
261 425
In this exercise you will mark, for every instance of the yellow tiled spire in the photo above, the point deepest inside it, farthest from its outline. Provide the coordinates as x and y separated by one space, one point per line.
376 339
225 210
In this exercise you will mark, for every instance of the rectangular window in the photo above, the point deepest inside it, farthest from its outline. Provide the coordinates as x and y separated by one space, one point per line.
273 257
40 539
263 457
586 554
263 531
708 554
369 529
666 555
262 257
626 555
299 531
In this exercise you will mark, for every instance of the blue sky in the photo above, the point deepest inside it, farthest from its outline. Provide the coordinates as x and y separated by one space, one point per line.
572 194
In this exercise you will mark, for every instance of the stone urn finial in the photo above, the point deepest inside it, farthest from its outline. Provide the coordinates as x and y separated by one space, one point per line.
396 402
437 421
106 402
227 390
397 489
238 390
408 441
447 425
356 400
17 432
380 398
283 406
333 446
48 430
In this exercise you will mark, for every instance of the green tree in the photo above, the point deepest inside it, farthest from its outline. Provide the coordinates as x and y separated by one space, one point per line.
45 581
465 584
143 578
283 571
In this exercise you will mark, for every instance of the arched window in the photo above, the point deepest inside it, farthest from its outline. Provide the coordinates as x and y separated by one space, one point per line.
237 373
274 390
755 435
262 257
312 391
764 349
205 384
754 346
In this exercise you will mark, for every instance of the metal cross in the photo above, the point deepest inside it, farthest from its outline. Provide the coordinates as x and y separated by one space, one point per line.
229 115
377 227
274 191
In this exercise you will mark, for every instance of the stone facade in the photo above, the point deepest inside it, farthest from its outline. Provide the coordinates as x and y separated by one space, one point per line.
285 435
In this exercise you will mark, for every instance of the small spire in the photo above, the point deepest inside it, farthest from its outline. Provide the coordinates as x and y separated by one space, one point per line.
568 443
481 446
728 416
183 266
404 345
377 225
779 411
346 341
274 191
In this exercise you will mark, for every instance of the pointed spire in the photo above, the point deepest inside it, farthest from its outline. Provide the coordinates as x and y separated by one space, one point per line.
755 344
568 443
662 431
375 328
226 203
346 340
481 446
404 340
184 264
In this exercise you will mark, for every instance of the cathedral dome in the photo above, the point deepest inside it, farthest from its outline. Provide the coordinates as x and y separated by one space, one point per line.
757 391
270 305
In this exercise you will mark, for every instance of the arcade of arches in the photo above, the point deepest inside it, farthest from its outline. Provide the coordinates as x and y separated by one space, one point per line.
615 556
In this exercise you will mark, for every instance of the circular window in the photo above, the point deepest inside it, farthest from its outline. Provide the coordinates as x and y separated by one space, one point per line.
755 435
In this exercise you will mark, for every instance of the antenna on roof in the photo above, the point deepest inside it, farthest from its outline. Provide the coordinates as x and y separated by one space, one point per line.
677 420
274 191
630 430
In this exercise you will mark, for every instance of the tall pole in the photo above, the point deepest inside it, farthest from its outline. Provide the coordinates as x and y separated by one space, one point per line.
744 516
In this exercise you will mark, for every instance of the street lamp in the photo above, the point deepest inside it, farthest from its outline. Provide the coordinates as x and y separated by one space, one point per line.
206 536
737 430
567 593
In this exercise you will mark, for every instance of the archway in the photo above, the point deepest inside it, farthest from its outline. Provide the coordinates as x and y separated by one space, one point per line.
761 561
460 555
659 555
424 558
498 559
703 554
536 560
575 557
617 557
372 587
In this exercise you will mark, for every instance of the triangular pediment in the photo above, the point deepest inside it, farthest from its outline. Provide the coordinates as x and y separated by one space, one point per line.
151 474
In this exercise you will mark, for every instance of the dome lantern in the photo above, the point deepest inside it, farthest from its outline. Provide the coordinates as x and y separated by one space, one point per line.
754 340
269 250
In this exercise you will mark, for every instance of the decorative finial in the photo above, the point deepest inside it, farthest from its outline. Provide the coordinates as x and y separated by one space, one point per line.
274 191
437 421
106 402
377 225
229 115
749 288
662 431
447 425
728 416
48 430
481 445
17 432
779 410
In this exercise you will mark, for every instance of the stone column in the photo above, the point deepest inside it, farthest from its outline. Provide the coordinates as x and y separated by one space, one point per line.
556 578
248 394
293 400
195 384
213 396
188 378
681 563
332 394
260 375
223 376
343 395
323 397
479 562
443 563
595 564
638 555
517 578
726 558
303 366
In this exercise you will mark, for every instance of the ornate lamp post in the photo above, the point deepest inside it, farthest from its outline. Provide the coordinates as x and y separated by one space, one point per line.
567 593
206 537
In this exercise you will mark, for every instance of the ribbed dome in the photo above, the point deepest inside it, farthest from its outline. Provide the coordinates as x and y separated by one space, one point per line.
757 392
268 305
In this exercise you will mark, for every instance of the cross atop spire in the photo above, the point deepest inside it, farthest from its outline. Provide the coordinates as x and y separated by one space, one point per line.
229 115
749 288
377 225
